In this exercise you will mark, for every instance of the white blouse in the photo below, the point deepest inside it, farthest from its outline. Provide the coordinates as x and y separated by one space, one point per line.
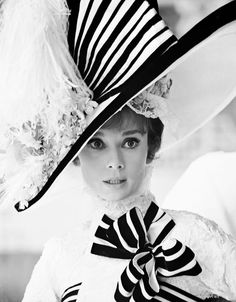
67 265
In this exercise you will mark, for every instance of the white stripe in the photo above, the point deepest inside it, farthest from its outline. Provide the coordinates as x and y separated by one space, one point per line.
167 273
103 242
157 227
122 241
152 46
129 221
143 290
123 291
103 21
148 35
74 297
135 260
76 287
124 31
183 297
82 10
130 275
177 254
110 28
159 214
131 37
104 225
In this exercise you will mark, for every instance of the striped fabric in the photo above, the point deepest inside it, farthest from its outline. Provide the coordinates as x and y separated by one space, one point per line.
110 40
71 293
152 255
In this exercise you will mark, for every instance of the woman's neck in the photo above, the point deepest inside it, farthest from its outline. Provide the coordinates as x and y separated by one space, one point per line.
115 209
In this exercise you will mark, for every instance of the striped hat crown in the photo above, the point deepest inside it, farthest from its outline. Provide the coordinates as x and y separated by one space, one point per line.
83 62
111 40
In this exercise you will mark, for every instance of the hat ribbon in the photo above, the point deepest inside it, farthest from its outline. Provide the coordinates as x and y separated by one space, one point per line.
153 256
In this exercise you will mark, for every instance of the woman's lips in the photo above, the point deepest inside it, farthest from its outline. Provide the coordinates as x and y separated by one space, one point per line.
114 181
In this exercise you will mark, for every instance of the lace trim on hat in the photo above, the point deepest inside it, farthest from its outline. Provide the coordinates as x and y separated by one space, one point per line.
152 102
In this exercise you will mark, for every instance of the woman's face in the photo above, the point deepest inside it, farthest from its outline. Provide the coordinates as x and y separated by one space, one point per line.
113 162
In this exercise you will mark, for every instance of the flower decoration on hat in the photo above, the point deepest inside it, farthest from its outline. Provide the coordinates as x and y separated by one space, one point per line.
77 58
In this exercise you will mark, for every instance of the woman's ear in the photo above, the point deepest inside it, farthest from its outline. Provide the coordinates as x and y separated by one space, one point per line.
76 161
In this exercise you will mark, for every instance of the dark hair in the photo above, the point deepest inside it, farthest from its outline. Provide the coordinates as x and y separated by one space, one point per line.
153 127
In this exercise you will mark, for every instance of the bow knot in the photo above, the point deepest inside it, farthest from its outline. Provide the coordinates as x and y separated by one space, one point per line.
152 254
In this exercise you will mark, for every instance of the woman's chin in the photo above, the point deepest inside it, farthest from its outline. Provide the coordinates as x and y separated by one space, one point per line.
114 196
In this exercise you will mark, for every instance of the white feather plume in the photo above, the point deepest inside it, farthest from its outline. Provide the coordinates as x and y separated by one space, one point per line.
40 87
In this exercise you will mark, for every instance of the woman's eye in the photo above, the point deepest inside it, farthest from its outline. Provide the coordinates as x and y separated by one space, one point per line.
131 143
96 144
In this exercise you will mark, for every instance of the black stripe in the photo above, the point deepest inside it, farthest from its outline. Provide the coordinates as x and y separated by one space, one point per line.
147 286
74 9
176 248
116 10
125 230
70 291
122 41
154 4
133 270
180 261
150 214
107 220
138 75
101 233
78 41
169 297
170 41
70 294
108 251
139 228
119 297
127 284
104 49
181 291
72 287
123 58
166 230
96 19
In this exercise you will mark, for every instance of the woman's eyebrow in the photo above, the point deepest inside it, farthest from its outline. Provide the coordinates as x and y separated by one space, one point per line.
131 132
99 133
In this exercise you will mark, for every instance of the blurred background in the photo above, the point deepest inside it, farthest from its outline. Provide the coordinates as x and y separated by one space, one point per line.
207 157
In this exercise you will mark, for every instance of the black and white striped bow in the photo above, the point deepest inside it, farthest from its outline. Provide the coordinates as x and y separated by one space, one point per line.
153 256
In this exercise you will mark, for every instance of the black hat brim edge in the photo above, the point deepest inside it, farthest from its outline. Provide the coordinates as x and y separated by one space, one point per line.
174 56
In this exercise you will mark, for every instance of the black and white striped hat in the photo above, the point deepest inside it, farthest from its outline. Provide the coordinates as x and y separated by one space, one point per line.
119 49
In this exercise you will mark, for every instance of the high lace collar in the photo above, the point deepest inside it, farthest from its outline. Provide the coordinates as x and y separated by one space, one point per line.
114 209
96 207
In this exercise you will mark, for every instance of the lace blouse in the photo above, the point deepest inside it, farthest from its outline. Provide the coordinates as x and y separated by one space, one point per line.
67 271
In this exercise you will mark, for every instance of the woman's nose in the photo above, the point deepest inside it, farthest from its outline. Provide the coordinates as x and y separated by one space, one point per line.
115 161
116 166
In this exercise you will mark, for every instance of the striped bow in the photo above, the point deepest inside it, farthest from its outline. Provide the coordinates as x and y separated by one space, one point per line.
152 255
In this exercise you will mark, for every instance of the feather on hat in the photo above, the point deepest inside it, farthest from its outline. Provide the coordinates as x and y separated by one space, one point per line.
67 67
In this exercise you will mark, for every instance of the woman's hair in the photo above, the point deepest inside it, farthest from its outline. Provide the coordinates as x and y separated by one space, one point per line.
126 117
153 127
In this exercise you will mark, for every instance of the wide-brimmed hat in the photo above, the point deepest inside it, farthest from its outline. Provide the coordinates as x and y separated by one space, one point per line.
66 68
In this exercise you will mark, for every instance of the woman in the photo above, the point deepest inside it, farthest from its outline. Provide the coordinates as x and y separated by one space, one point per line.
123 51
116 164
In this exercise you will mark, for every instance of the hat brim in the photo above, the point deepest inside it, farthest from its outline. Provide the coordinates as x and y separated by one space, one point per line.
203 68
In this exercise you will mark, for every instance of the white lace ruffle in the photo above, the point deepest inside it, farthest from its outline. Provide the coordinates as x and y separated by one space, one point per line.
152 103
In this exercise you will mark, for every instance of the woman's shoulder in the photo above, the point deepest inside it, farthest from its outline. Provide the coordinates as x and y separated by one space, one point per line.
196 230
214 250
